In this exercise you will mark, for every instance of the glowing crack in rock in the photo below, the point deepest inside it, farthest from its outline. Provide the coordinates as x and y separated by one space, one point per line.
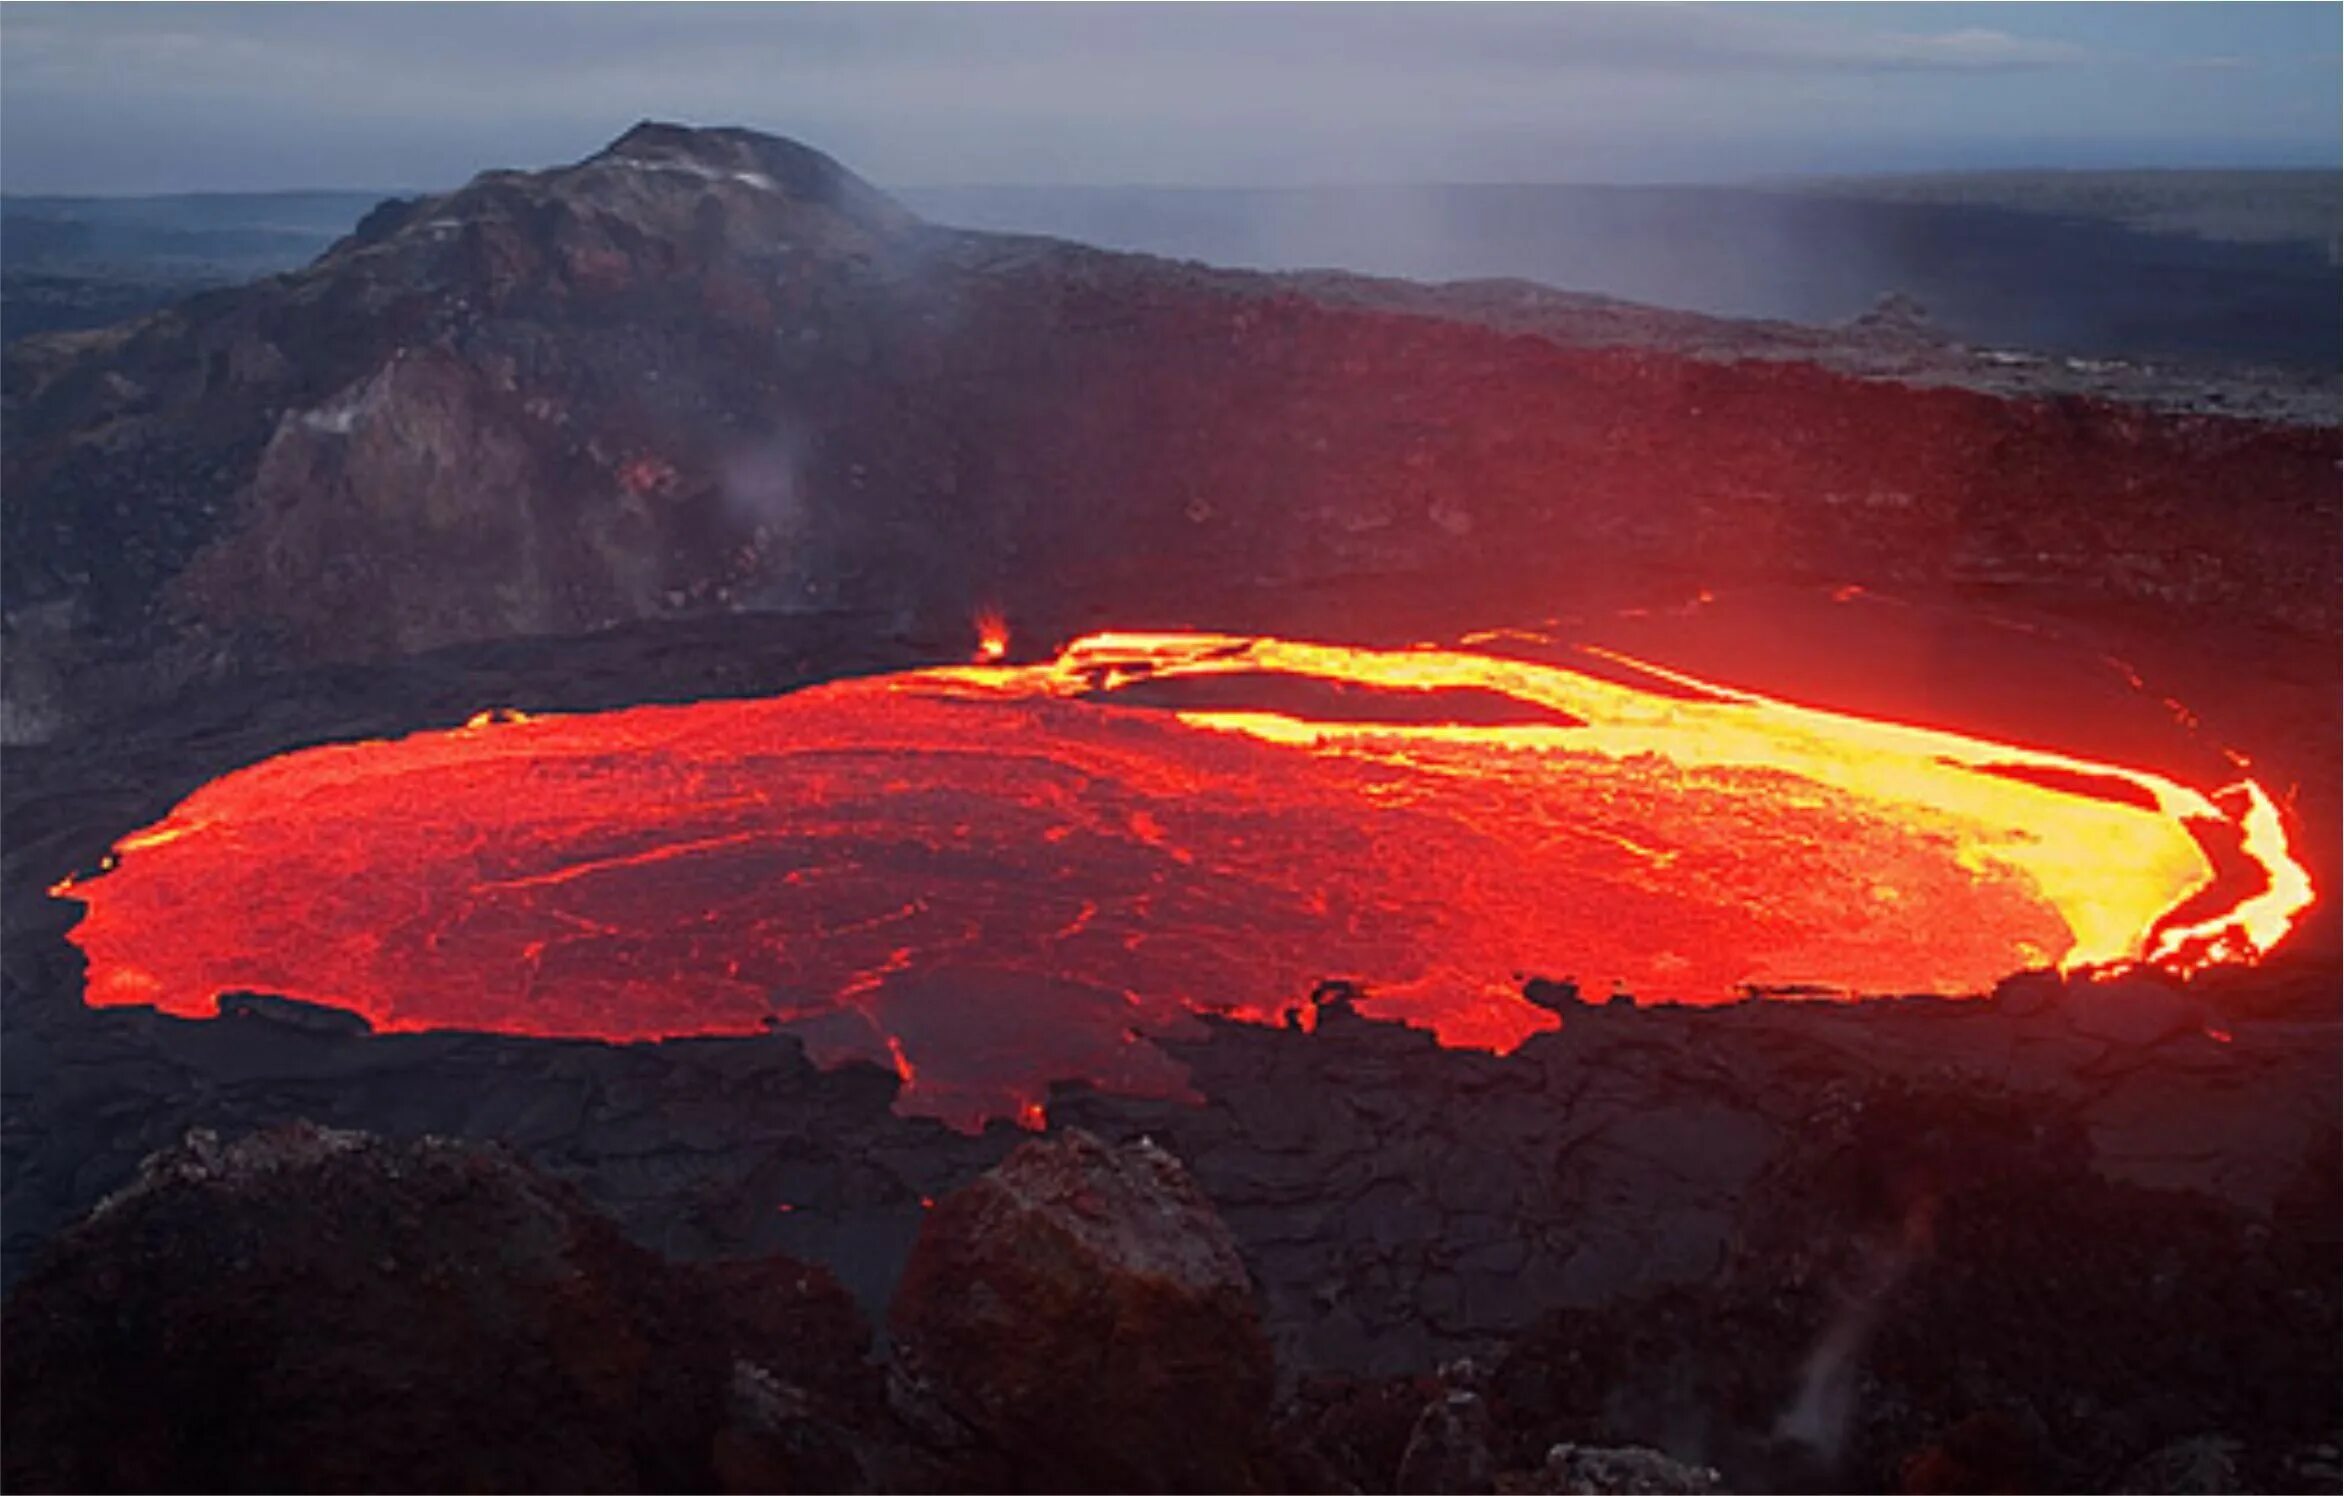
987 877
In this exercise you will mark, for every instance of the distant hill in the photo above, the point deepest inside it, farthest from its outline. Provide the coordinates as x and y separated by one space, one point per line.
68 262
2242 207
2204 267
239 232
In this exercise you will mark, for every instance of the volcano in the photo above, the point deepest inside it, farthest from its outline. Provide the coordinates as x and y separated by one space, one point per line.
754 702
710 372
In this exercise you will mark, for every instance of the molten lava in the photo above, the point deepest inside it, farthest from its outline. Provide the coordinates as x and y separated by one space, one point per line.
992 638
987 877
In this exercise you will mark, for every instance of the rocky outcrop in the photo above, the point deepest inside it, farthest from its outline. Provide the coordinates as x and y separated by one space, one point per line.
308 1309
1082 1312
1929 1293
704 372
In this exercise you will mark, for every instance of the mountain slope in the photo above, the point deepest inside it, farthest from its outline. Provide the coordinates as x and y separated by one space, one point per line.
707 370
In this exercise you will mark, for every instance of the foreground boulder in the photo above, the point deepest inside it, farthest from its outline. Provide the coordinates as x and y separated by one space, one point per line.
316 1310
1082 1315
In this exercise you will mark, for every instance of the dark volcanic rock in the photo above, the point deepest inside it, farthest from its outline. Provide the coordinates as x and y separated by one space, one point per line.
1342 1433
318 1310
1448 1451
709 371
1575 1470
2193 1467
1934 1291
1083 1311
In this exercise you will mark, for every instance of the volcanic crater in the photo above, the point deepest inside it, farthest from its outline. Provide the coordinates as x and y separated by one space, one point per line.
951 685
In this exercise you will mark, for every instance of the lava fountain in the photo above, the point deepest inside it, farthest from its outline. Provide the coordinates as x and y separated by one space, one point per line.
991 876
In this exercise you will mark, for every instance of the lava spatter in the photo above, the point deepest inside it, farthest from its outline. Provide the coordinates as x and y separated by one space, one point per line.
987 877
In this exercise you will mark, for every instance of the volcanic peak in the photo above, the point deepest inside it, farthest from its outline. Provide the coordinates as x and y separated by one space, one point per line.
658 178
750 157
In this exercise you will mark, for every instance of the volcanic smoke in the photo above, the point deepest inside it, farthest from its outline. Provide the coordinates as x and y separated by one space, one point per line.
991 876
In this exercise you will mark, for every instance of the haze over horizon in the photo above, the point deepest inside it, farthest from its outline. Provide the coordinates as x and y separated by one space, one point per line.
124 99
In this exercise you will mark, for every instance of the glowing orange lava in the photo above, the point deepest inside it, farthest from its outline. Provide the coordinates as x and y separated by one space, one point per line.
992 638
987 877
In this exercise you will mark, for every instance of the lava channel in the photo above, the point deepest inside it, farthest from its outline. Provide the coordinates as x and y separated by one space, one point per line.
992 876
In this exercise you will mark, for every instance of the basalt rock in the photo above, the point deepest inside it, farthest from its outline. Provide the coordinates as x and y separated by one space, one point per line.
1576 1470
316 1310
1350 1434
1082 1312
1448 1452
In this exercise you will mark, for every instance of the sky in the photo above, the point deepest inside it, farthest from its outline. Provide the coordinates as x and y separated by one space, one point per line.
166 98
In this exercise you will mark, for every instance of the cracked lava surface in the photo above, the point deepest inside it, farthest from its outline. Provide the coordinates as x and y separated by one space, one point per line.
992 876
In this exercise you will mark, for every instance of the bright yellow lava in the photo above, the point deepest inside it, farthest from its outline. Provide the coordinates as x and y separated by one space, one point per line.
2113 870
